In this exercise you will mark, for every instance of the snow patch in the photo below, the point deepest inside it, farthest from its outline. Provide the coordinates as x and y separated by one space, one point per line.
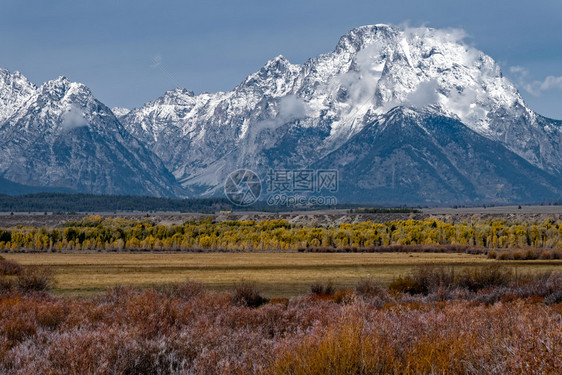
120 111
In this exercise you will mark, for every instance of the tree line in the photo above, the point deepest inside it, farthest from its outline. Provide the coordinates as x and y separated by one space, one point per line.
97 233
63 202
59 202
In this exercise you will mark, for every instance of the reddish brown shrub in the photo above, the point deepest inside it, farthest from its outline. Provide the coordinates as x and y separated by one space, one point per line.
505 255
323 289
450 330
9 268
405 285
518 255
50 315
370 288
6 285
546 254
343 296
17 329
247 295
479 278
280 301
34 280
531 254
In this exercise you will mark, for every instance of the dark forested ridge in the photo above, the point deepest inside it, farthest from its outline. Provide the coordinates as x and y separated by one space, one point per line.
57 202
64 202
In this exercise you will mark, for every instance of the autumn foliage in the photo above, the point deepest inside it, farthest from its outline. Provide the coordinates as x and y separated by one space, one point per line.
94 233
486 320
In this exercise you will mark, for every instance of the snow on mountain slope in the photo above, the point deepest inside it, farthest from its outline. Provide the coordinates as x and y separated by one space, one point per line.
15 91
413 156
120 111
298 116
60 136
293 115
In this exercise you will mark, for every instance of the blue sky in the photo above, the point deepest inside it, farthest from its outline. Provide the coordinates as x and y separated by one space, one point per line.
130 52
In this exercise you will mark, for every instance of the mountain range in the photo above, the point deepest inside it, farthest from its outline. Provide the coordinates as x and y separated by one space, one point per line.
410 115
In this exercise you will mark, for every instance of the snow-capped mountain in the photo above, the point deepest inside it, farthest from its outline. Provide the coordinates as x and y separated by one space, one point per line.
405 115
59 136
294 116
409 156
15 91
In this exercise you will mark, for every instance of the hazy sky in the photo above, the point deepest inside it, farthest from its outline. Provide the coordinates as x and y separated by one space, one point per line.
130 52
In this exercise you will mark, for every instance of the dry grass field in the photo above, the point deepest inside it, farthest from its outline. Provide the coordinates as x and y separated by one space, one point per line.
479 317
275 274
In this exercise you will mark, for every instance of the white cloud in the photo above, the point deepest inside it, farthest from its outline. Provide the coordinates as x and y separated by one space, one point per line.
445 35
519 71
551 82
73 119
361 83
424 95
291 108
535 87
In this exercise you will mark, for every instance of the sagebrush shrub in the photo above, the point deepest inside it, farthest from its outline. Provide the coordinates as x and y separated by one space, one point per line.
505 255
518 255
478 278
9 268
248 295
34 280
370 288
323 289
6 285
405 284
18 329
133 331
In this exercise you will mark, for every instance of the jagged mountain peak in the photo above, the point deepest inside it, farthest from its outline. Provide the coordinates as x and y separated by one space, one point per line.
15 91
385 95
6 75
275 79
420 66
177 96
277 63
300 113
62 137
179 91
356 39
14 81
62 87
